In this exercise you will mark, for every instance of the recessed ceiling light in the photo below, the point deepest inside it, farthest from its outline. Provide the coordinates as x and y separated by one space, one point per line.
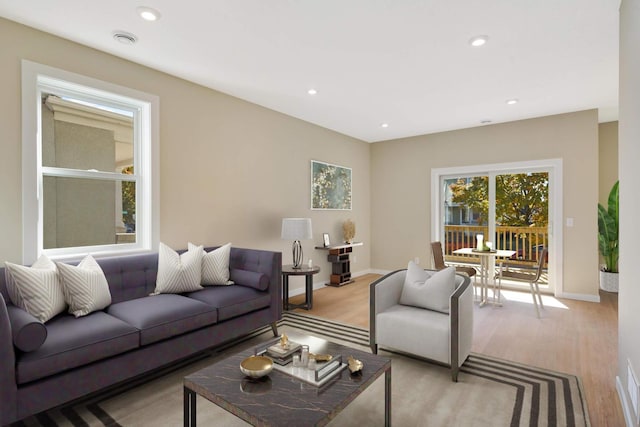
124 37
512 101
148 14
478 41
384 125
485 122
312 91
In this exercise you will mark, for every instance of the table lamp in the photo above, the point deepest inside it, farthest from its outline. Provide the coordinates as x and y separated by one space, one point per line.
296 229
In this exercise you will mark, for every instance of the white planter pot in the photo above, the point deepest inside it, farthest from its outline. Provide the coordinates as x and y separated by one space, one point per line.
609 281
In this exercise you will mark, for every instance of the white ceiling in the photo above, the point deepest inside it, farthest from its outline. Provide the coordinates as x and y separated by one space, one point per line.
407 63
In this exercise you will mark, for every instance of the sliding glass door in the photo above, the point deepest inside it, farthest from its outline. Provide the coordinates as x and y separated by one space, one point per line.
509 208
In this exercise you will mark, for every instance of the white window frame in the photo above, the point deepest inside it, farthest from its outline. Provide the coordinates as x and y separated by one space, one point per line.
553 166
38 78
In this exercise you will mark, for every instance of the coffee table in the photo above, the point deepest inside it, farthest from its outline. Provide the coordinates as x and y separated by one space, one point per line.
280 399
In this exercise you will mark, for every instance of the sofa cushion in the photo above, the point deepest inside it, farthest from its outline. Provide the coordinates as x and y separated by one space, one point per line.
428 289
178 273
162 316
36 289
215 265
85 288
73 342
232 301
28 332
251 279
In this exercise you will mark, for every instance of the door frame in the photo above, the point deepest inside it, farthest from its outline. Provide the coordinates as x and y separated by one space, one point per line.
552 166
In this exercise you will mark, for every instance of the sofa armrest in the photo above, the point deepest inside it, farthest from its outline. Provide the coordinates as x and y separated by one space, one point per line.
263 262
461 318
383 293
8 388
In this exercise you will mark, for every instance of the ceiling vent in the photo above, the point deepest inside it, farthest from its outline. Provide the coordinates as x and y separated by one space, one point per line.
124 37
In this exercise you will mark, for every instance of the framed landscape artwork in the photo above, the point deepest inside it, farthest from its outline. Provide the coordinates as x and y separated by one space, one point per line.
330 186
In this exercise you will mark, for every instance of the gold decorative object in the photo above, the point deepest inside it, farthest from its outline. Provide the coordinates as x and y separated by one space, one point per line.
355 365
284 341
320 357
256 366
349 230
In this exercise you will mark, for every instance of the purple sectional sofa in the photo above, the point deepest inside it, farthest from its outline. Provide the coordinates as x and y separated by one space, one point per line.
46 365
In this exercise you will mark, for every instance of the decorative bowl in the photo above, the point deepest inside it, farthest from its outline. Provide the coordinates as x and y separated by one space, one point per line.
256 366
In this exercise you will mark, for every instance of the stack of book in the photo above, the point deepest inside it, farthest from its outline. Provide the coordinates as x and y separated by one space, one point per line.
283 356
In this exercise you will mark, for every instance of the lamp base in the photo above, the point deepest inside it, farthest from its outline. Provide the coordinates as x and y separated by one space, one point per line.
297 254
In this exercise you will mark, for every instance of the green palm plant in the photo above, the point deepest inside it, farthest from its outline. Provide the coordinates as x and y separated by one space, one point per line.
608 231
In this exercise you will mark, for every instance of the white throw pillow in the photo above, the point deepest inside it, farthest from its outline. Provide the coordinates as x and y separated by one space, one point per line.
215 265
35 289
85 287
178 273
427 289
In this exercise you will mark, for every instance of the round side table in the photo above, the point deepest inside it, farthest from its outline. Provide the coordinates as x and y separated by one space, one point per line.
308 272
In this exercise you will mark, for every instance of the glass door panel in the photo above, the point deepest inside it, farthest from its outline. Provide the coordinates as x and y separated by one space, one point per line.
522 217
466 214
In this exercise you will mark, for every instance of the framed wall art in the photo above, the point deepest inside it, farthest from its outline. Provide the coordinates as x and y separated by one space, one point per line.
330 186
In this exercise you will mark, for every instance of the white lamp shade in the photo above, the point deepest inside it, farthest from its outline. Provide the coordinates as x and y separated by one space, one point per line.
296 228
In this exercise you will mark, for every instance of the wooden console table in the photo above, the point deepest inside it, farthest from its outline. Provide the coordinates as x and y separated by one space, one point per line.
340 263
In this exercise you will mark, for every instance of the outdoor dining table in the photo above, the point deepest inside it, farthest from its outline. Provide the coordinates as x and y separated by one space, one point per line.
487 264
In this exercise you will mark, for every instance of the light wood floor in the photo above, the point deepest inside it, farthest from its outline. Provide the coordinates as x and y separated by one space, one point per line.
575 337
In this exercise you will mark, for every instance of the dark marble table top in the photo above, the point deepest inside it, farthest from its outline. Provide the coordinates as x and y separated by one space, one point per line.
280 399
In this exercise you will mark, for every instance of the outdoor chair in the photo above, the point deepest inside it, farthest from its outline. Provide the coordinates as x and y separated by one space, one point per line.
438 263
531 278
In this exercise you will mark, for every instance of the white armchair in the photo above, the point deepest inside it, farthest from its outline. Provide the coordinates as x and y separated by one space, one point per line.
440 337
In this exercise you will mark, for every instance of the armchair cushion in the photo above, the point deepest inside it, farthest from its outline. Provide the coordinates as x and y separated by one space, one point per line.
426 289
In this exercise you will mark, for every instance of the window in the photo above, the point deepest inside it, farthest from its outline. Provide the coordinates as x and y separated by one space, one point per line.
90 166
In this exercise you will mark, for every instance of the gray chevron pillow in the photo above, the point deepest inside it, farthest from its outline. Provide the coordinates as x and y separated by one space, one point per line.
85 287
215 265
35 289
178 273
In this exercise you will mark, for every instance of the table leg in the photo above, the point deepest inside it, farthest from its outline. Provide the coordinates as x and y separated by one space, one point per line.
387 397
285 292
309 291
189 412
484 281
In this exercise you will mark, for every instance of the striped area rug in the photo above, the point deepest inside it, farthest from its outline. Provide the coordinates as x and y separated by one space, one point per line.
490 391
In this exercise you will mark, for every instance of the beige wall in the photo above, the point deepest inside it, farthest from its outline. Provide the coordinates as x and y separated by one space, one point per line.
629 154
230 170
401 186
608 159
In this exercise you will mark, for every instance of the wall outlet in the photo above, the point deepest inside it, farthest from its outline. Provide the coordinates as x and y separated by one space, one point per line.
632 388
417 260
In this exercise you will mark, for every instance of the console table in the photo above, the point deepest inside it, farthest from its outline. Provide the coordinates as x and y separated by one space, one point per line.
340 263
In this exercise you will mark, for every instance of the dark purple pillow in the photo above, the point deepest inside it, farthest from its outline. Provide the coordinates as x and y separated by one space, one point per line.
28 332
250 279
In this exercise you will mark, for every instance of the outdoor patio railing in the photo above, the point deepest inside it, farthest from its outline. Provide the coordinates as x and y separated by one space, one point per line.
526 241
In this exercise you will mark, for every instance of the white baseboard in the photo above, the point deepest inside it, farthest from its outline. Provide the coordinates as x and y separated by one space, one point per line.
579 297
626 407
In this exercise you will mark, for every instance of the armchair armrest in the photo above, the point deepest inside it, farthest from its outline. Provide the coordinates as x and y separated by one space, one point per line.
461 318
383 293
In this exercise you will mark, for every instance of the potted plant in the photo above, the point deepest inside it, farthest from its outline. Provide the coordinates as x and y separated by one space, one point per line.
608 241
